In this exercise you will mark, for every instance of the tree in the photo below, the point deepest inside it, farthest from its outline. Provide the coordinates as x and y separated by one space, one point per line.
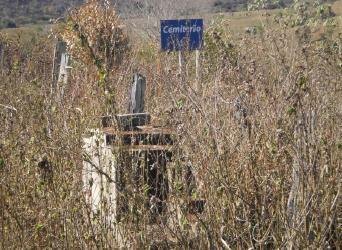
264 4
95 36
11 24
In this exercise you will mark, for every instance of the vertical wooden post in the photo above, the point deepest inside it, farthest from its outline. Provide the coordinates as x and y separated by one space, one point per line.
59 75
60 67
63 72
59 49
137 102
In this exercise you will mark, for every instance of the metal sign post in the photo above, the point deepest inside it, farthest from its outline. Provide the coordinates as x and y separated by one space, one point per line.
183 35
198 72
181 62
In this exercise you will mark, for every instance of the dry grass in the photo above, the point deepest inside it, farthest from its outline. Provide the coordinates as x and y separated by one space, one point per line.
264 140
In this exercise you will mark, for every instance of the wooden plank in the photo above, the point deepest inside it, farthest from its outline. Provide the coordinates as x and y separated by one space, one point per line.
140 130
144 147
140 139
128 122
107 121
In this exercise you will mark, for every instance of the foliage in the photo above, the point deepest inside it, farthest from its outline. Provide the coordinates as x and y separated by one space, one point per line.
308 12
95 37
94 34
218 42
265 4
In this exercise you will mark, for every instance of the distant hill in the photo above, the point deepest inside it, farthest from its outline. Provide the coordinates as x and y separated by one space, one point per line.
15 13
239 5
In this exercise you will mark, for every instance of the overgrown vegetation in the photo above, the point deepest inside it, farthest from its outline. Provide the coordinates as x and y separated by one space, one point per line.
263 137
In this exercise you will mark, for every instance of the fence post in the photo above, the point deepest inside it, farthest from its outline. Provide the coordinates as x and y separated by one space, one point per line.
60 67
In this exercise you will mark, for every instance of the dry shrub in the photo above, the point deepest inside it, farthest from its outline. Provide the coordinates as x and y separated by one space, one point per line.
94 34
96 39
263 140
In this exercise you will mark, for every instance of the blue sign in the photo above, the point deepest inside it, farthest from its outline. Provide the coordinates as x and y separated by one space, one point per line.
186 34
